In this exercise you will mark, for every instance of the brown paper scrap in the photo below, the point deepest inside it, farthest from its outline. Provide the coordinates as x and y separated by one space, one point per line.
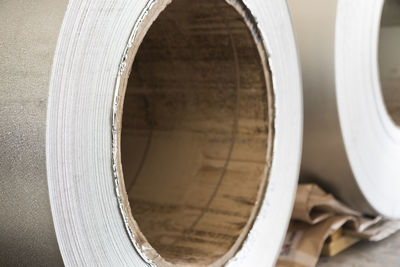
316 216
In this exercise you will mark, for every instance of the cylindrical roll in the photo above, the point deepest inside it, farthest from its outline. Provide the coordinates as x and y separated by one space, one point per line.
351 146
173 132
29 32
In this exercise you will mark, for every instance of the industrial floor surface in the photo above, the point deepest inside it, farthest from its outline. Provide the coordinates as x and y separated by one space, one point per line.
385 253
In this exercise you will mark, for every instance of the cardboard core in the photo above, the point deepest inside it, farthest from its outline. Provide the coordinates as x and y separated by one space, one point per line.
389 58
196 132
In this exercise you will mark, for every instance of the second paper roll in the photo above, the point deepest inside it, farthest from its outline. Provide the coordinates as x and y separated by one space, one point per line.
351 132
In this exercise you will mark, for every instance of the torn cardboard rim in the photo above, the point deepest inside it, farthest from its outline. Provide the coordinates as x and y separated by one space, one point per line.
140 242
389 58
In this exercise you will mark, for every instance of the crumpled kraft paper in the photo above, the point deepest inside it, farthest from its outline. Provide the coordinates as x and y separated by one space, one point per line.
316 216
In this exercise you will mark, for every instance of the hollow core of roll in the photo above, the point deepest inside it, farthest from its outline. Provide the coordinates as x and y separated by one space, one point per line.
196 132
389 58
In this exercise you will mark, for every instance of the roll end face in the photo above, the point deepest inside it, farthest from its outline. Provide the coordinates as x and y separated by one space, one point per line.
372 140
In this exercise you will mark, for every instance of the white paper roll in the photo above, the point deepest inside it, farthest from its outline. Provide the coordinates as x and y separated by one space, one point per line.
351 146
201 137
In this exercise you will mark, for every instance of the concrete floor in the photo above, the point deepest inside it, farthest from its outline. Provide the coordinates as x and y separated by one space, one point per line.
368 254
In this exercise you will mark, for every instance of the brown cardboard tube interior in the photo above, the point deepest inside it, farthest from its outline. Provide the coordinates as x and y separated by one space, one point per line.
389 58
196 132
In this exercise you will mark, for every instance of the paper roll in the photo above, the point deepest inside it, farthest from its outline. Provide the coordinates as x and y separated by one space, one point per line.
351 146
173 132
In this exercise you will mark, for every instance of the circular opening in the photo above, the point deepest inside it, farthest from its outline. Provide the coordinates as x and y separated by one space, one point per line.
196 133
389 58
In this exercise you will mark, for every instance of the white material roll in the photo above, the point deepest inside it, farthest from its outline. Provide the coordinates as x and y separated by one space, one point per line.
351 146
371 131
201 137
